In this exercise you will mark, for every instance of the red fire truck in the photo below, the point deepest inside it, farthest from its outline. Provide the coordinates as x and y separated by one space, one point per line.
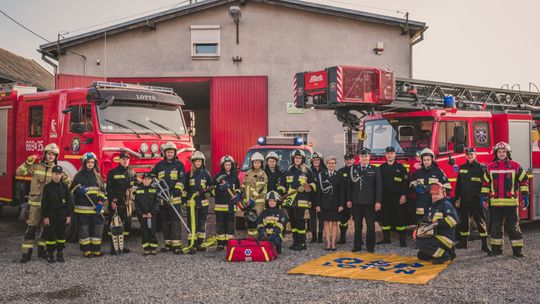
106 118
411 115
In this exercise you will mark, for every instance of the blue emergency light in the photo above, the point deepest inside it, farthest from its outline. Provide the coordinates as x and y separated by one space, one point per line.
449 101
261 140
298 141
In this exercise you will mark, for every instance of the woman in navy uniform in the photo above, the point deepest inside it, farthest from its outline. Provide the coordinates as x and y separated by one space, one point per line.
329 201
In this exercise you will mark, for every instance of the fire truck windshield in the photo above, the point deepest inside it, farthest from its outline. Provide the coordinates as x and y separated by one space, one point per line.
407 135
141 118
283 154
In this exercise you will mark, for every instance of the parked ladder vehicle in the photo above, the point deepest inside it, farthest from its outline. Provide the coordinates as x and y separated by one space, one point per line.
411 115
106 119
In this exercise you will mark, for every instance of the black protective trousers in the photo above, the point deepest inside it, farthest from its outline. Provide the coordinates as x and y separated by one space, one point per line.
224 226
55 233
507 216
367 213
170 225
472 209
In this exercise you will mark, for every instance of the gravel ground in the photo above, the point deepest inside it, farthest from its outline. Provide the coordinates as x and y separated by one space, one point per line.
207 278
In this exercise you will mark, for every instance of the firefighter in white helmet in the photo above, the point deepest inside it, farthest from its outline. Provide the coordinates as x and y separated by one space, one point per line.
41 174
254 189
503 185
199 182
421 179
89 198
170 171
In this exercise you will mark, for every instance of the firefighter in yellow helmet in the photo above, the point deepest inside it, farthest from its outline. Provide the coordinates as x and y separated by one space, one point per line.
41 174
254 189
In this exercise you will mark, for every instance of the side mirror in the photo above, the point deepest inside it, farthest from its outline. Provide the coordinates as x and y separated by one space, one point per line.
67 110
459 135
191 116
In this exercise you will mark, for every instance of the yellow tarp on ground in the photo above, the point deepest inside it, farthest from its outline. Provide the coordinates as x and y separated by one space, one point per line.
370 266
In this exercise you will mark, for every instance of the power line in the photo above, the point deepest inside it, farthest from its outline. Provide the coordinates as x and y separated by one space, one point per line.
126 17
24 27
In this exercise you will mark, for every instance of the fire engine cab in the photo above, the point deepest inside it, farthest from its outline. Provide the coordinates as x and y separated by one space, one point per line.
106 118
411 115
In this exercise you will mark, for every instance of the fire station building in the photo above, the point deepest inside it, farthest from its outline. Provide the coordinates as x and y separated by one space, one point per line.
233 63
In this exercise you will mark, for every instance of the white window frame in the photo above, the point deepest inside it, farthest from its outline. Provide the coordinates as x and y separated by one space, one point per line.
303 134
205 34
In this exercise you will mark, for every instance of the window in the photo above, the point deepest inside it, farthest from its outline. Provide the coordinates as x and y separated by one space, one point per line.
81 119
35 128
481 134
304 135
446 135
205 41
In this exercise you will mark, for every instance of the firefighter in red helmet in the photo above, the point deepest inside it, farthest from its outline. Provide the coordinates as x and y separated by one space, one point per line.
503 184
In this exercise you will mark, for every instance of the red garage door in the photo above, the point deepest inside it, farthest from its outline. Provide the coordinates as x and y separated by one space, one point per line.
238 115
65 81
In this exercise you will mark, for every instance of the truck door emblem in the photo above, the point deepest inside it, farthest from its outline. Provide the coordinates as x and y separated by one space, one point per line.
75 145
480 133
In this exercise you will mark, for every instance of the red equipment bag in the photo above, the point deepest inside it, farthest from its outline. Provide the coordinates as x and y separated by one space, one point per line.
250 250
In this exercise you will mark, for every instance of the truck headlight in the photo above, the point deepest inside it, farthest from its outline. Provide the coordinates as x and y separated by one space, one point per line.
154 148
144 148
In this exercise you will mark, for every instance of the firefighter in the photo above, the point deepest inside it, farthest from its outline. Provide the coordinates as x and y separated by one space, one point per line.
315 224
56 210
120 180
467 199
272 221
300 184
89 200
329 202
41 175
276 178
345 215
442 218
254 189
171 171
147 209
428 173
394 196
364 199
503 181
199 184
227 193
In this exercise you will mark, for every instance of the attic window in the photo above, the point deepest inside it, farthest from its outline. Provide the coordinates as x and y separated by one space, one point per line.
205 43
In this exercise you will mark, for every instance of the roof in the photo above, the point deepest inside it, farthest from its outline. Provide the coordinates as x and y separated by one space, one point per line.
414 27
14 68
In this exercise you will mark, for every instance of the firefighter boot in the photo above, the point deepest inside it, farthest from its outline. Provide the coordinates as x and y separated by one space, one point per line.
402 239
60 256
302 242
319 237
462 244
26 256
485 246
342 236
445 257
294 245
495 250
386 238
517 252
313 238
220 245
50 257
199 245
41 252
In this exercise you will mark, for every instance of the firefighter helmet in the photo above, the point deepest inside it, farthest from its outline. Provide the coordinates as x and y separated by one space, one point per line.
226 158
257 156
52 147
197 155
298 152
427 151
502 145
273 155
168 146
273 195
317 155
87 156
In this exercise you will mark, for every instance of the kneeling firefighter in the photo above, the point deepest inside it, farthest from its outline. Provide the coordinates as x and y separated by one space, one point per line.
272 221
435 235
